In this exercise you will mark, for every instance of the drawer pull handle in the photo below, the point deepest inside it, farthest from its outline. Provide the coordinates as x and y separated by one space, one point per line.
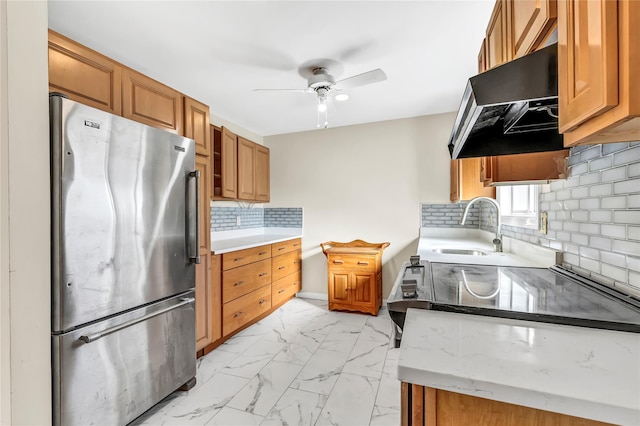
262 274
238 283
363 263
262 253
262 302
338 262
281 268
296 283
281 248
238 259
296 245
281 291
238 314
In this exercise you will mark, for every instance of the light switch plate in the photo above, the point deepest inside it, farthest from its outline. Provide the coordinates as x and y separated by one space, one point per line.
544 221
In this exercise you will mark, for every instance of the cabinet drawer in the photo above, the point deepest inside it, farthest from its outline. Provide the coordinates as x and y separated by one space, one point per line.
240 311
283 265
286 246
286 287
352 263
240 281
244 257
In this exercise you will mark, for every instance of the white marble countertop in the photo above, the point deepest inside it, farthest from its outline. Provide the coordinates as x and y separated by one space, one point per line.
515 252
577 371
224 242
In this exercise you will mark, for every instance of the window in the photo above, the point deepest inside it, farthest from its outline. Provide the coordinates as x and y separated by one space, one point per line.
519 205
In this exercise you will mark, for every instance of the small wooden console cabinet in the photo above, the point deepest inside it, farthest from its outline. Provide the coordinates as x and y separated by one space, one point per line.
355 275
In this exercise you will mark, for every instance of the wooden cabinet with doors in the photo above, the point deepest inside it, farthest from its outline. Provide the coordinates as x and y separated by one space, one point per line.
497 45
262 174
599 71
529 24
354 275
246 169
147 101
286 268
205 310
465 180
84 75
196 125
225 164
529 168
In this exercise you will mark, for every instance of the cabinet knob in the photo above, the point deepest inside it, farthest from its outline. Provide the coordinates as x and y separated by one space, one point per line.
281 248
262 274
262 253
237 259
238 314
262 302
238 283
338 262
282 267
281 291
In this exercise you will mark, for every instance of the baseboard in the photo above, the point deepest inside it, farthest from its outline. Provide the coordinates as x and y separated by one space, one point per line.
309 295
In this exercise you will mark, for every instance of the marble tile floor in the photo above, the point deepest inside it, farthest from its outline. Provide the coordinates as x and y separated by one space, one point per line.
301 365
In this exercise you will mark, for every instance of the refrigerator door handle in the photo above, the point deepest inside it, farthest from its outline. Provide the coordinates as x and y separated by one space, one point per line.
95 336
195 255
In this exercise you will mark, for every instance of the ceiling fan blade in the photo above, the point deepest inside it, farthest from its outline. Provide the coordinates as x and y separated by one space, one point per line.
284 90
363 79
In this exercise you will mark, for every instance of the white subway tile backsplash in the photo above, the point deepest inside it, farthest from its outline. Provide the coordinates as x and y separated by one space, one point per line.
626 247
633 263
580 215
589 203
571 205
633 170
563 236
564 194
618 274
608 148
618 202
627 216
571 226
557 185
615 174
600 243
590 265
580 239
572 182
600 215
634 280
590 178
615 259
579 169
590 153
633 233
600 163
571 259
600 190
615 231
627 156
580 192
627 186
633 201
571 248
589 253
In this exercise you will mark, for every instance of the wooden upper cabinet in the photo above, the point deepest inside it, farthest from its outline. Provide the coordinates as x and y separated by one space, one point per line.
530 22
84 75
465 180
262 173
204 165
587 60
150 102
497 43
599 69
482 57
536 167
229 164
246 169
196 125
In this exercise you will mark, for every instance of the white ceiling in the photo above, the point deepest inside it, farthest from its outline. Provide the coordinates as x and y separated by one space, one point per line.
219 51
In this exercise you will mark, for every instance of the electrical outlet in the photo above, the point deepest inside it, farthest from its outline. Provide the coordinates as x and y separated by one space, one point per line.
238 221
544 222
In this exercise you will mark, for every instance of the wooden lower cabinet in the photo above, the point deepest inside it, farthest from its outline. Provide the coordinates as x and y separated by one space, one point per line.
425 406
246 288
354 275
204 302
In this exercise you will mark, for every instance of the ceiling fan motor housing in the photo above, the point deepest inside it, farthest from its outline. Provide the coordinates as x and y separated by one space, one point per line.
321 79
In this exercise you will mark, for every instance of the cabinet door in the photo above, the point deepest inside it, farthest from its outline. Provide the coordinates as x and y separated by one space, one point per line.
196 125
482 57
587 60
262 173
84 75
149 102
497 42
537 166
229 164
363 289
216 297
246 169
204 302
471 185
454 181
203 164
338 286
530 22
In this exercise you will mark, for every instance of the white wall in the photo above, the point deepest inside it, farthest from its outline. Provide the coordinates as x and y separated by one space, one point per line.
364 181
25 390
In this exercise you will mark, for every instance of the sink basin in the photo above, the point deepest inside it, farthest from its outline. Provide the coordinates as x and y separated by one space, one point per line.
460 251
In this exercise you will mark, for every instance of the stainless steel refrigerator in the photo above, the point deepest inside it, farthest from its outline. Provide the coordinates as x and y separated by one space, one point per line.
124 243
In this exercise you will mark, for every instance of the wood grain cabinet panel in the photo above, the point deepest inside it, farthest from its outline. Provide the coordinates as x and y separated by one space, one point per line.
498 45
466 180
262 173
204 302
286 287
229 164
246 169
204 165
530 22
238 258
150 102
240 281
286 264
196 125
242 310
286 246
587 60
84 75
599 69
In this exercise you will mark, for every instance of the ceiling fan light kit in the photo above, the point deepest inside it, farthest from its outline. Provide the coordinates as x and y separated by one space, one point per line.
324 85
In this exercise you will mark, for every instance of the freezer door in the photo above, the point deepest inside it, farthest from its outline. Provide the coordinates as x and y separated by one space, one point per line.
123 210
111 372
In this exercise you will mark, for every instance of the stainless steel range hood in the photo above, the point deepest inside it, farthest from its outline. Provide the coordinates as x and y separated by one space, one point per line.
510 109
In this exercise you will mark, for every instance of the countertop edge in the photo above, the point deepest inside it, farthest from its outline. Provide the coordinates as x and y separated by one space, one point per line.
235 244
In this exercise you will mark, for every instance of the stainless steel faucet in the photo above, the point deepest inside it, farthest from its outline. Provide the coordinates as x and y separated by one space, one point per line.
497 241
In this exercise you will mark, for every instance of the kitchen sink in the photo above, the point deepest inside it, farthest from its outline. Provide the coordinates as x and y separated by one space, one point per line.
460 251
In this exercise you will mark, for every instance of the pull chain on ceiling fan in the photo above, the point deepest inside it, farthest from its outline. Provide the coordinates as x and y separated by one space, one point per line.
324 85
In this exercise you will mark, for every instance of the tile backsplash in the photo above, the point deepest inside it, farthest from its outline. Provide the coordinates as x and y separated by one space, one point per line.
234 218
594 215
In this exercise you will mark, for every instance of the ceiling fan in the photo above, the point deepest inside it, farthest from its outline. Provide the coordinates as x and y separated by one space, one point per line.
324 85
